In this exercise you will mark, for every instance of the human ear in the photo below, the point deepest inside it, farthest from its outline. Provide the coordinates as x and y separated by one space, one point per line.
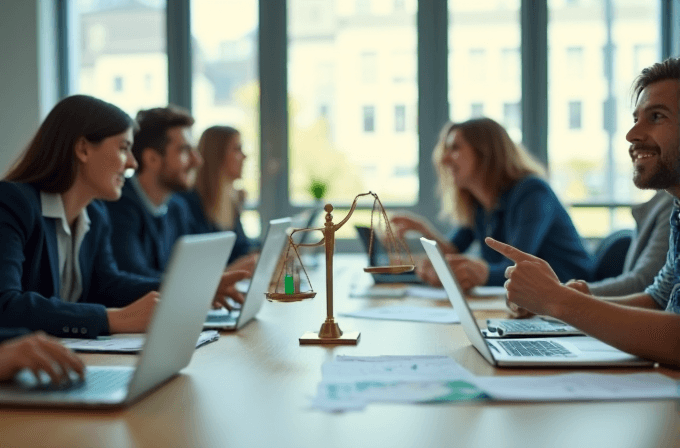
150 158
82 149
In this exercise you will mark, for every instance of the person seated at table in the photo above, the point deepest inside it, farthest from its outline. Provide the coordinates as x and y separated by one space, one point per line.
37 352
491 187
150 217
214 202
646 324
57 271
647 251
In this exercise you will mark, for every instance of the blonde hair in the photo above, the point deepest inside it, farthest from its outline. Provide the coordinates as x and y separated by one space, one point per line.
209 180
501 161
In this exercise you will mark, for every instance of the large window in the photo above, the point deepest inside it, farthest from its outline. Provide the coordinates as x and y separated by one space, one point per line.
484 62
596 48
225 89
121 54
356 63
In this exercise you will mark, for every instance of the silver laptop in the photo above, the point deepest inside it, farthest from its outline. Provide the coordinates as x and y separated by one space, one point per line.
576 351
274 242
532 327
187 290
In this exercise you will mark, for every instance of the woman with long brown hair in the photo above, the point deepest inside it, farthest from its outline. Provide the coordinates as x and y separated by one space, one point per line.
490 186
215 204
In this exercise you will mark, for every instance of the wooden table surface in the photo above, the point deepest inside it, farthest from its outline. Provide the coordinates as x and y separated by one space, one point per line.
252 388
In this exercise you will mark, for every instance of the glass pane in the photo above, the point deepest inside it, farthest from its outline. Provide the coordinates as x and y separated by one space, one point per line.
225 78
594 57
353 99
121 55
485 62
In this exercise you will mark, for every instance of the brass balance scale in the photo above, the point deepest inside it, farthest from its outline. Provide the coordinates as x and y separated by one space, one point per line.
330 332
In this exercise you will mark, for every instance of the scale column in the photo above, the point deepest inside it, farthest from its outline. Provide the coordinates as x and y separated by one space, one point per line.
329 329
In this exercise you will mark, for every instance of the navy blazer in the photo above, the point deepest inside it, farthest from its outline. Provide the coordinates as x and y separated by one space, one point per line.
29 270
142 242
200 223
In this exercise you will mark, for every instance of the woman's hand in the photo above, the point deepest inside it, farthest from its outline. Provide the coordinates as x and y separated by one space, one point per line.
135 317
227 288
404 222
38 352
244 263
469 272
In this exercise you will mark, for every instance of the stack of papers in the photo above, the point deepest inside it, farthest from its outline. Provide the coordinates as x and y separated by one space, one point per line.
125 343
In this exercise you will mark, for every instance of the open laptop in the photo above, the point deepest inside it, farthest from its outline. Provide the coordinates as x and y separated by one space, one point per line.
379 257
274 242
576 351
187 290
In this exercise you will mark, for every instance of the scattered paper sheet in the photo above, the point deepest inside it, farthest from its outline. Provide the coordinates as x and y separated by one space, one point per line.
580 386
426 292
125 343
350 383
487 291
409 313
379 292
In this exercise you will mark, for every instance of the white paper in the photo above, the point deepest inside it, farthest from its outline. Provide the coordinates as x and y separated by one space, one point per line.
125 343
487 291
579 386
382 292
409 313
426 292
350 382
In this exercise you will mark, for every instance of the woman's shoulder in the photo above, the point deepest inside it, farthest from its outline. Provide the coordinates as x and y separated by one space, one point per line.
19 195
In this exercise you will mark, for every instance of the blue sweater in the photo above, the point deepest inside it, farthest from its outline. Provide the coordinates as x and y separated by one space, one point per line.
200 223
530 217
29 270
141 241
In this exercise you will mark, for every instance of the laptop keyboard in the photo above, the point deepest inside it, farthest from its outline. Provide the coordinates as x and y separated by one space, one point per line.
519 326
222 316
96 381
534 348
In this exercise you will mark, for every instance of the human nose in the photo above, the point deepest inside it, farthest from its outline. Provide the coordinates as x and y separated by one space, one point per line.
636 133
130 161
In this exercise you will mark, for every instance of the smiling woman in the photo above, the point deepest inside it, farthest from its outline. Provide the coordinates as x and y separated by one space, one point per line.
490 186
57 273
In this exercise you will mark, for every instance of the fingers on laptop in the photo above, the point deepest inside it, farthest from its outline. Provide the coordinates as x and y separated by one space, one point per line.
517 311
39 352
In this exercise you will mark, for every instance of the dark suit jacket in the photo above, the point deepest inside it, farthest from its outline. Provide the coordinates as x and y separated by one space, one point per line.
200 223
29 271
142 242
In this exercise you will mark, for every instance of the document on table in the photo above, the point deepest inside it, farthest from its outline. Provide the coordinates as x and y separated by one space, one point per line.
409 313
125 343
350 383
580 386
487 291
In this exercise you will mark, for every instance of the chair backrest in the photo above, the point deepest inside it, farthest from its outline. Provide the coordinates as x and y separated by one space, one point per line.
610 254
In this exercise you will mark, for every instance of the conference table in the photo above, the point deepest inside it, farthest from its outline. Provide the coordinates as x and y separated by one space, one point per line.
252 388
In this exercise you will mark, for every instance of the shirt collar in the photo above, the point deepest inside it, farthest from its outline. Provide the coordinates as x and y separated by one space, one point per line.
53 207
156 211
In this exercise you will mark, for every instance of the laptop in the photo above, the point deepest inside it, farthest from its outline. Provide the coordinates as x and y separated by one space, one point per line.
379 257
576 351
532 327
186 292
274 242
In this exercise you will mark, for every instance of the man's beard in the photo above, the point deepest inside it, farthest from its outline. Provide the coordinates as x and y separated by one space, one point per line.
172 183
663 176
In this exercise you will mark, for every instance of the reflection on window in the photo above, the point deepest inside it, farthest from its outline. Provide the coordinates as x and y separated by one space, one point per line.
484 62
476 110
352 127
399 118
369 118
225 85
574 115
589 118
121 45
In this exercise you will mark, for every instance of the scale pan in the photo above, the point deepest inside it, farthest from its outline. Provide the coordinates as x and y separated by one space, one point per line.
283 297
397 269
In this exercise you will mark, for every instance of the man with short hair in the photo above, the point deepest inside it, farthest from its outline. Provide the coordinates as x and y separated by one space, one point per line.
149 217
645 324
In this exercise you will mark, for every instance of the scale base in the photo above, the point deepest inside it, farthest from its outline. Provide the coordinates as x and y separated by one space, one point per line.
312 338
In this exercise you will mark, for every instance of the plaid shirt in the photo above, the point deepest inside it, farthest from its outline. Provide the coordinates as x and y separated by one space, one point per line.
666 287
